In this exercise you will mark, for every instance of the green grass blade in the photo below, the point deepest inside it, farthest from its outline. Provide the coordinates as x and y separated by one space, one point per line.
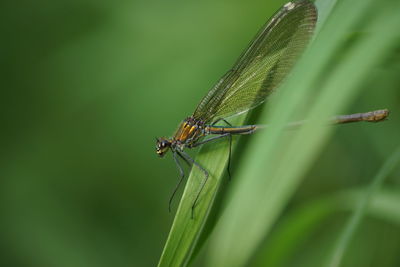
345 238
274 166
324 10
302 222
185 231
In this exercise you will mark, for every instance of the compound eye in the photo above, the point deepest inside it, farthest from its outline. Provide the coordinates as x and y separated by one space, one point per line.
162 146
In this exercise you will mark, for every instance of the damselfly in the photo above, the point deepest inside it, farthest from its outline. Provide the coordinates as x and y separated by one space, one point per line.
259 70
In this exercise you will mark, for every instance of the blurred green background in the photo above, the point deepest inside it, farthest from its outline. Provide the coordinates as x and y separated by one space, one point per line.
88 85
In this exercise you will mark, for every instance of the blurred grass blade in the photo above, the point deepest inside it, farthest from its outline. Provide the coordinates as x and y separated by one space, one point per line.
273 51
275 164
185 231
302 222
354 222
324 9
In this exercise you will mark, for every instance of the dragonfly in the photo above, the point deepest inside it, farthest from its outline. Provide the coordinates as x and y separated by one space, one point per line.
257 73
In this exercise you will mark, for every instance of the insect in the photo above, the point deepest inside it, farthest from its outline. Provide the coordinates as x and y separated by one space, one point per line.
258 71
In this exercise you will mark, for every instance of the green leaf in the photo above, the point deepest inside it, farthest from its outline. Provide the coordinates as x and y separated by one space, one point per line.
350 229
276 161
302 222
185 230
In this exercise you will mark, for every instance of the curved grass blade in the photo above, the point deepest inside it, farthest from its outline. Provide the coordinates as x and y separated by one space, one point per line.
276 165
258 71
185 230
301 223
324 9
354 222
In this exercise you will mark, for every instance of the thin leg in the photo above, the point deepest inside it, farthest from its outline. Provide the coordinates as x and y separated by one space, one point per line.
203 182
185 160
182 174
230 147
209 140
228 169
226 122
229 158
221 119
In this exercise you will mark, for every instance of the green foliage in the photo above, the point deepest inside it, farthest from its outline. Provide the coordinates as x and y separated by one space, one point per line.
276 161
354 222
186 228
87 85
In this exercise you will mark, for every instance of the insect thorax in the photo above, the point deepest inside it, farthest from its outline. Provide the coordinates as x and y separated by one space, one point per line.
189 131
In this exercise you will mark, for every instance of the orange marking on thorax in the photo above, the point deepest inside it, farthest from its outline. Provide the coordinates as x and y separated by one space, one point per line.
183 132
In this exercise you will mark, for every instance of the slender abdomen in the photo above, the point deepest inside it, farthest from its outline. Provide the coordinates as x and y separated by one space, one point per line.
247 129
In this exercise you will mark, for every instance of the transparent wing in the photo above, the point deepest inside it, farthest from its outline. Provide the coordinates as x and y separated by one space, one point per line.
263 65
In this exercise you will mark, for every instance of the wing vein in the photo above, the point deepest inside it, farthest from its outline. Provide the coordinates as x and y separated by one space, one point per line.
263 65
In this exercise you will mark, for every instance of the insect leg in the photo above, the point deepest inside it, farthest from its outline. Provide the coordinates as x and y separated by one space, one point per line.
209 140
203 182
182 174
189 163
230 148
228 169
221 119
229 158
